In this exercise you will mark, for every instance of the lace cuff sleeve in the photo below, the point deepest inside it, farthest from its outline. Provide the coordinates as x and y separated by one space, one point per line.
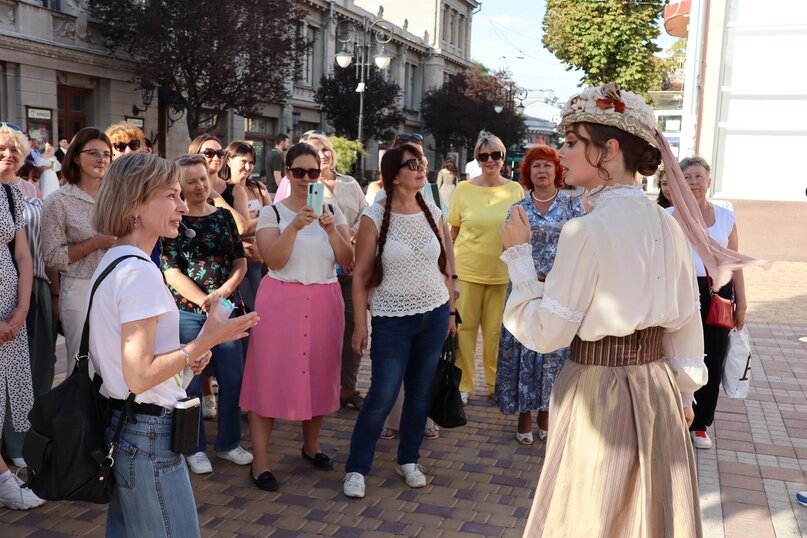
519 262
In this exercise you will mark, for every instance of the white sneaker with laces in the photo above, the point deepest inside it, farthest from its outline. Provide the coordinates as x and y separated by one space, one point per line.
413 474
199 464
238 455
464 397
16 497
209 406
700 439
354 485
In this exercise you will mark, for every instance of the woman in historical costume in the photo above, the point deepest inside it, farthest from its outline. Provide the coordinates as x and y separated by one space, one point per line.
623 293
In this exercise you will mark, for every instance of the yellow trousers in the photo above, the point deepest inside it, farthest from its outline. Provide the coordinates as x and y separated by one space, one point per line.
479 305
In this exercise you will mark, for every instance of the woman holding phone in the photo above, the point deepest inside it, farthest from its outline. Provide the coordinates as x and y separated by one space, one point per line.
295 374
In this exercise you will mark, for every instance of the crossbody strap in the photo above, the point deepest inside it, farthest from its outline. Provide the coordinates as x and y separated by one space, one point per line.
10 200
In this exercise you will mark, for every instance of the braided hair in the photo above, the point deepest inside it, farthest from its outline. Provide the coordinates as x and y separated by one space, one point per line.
390 165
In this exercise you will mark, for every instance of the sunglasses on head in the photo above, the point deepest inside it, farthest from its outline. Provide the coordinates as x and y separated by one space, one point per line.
210 153
415 165
299 173
406 137
306 134
483 157
11 126
133 145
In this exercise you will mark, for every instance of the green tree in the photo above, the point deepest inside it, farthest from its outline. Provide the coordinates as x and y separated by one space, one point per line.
212 56
347 153
340 102
609 40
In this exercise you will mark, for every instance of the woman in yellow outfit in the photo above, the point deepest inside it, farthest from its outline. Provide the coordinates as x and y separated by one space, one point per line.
478 210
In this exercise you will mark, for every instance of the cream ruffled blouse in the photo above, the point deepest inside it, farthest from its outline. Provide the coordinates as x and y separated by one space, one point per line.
623 267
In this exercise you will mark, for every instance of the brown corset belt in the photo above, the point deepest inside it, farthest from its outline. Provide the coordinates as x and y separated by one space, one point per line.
641 347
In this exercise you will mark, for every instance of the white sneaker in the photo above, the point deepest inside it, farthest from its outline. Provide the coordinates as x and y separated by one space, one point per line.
413 473
238 455
16 497
199 464
19 462
354 485
209 406
700 439
464 397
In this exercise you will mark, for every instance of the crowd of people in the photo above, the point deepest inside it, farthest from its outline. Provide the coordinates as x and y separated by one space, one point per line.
396 270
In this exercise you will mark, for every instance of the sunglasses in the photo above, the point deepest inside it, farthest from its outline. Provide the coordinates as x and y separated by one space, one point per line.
299 173
98 155
209 153
496 155
406 137
413 164
133 145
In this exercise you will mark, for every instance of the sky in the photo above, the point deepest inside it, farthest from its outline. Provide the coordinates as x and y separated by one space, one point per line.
507 34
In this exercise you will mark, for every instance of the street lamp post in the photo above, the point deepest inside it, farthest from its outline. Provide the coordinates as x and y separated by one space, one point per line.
361 38
513 93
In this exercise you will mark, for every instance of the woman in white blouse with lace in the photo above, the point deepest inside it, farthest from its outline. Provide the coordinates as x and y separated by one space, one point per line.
622 292
401 265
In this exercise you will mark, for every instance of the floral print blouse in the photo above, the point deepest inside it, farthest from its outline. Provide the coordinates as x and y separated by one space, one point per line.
207 258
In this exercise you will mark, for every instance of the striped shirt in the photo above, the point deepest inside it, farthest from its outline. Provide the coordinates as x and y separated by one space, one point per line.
32 210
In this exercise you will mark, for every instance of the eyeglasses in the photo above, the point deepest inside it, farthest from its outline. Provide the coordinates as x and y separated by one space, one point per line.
11 126
98 155
496 155
414 164
406 137
133 145
299 173
306 134
209 153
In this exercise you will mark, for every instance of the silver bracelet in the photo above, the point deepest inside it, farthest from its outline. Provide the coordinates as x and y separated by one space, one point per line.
187 355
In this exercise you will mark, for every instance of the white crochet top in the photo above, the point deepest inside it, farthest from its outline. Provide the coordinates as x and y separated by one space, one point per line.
412 282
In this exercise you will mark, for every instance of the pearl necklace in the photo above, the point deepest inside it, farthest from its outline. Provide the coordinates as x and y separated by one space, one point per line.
548 199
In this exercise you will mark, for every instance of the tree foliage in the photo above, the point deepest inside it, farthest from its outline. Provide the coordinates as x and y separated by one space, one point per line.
212 55
347 153
455 112
609 40
340 102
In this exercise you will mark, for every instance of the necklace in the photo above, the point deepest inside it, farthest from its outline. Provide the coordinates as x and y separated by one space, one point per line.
548 199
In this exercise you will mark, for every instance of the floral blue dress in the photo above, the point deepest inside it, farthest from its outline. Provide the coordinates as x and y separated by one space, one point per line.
524 378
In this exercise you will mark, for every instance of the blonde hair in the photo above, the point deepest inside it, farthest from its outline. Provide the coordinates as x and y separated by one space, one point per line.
20 141
325 141
123 132
130 181
491 140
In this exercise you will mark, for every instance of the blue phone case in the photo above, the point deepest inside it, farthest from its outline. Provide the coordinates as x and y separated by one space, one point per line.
314 199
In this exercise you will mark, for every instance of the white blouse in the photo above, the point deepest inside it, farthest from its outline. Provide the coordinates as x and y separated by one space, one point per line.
312 260
624 267
719 231
412 282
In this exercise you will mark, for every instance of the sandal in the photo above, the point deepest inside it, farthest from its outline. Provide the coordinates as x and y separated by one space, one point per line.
524 438
431 433
354 399
387 433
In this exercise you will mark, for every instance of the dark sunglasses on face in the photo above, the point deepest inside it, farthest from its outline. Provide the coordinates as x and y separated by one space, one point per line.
413 164
406 137
133 145
483 157
210 153
299 173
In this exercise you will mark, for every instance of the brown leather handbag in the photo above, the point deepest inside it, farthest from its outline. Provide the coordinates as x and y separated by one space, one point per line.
721 310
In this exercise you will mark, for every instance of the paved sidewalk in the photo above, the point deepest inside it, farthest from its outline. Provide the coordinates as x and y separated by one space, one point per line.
483 480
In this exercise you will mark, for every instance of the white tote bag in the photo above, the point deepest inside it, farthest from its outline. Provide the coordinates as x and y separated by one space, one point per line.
737 366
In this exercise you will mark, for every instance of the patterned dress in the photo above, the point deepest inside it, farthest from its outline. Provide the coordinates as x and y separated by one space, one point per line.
524 378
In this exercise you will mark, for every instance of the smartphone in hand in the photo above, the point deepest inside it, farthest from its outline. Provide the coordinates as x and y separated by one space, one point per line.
314 199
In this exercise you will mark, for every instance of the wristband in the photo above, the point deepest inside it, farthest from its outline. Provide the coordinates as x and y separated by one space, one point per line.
452 313
454 277
186 354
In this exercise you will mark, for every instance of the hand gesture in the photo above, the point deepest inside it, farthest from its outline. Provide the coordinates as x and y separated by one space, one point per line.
359 339
516 231
199 364
224 330
304 217
327 220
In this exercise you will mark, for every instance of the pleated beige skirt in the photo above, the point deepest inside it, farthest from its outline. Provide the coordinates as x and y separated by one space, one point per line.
619 461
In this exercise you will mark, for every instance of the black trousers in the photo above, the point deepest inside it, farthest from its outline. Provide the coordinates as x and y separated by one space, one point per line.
715 346
350 361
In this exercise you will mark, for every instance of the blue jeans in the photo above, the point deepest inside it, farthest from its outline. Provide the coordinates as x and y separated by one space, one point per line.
403 349
248 290
228 367
152 494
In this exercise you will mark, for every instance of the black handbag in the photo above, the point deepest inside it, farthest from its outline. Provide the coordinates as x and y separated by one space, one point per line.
64 448
447 410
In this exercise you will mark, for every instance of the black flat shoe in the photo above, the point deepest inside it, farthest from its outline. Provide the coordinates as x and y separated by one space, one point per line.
320 460
265 481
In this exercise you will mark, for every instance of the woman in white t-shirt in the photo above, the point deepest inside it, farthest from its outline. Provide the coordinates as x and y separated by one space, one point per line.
134 347
293 362
721 226
402 270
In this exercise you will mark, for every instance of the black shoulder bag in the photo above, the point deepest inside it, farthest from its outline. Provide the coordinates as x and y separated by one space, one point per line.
447 410
65 450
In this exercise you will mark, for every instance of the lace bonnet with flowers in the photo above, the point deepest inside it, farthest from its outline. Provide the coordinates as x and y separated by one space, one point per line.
611 105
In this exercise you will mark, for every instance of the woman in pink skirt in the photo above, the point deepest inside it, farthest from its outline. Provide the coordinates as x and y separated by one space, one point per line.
294 357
